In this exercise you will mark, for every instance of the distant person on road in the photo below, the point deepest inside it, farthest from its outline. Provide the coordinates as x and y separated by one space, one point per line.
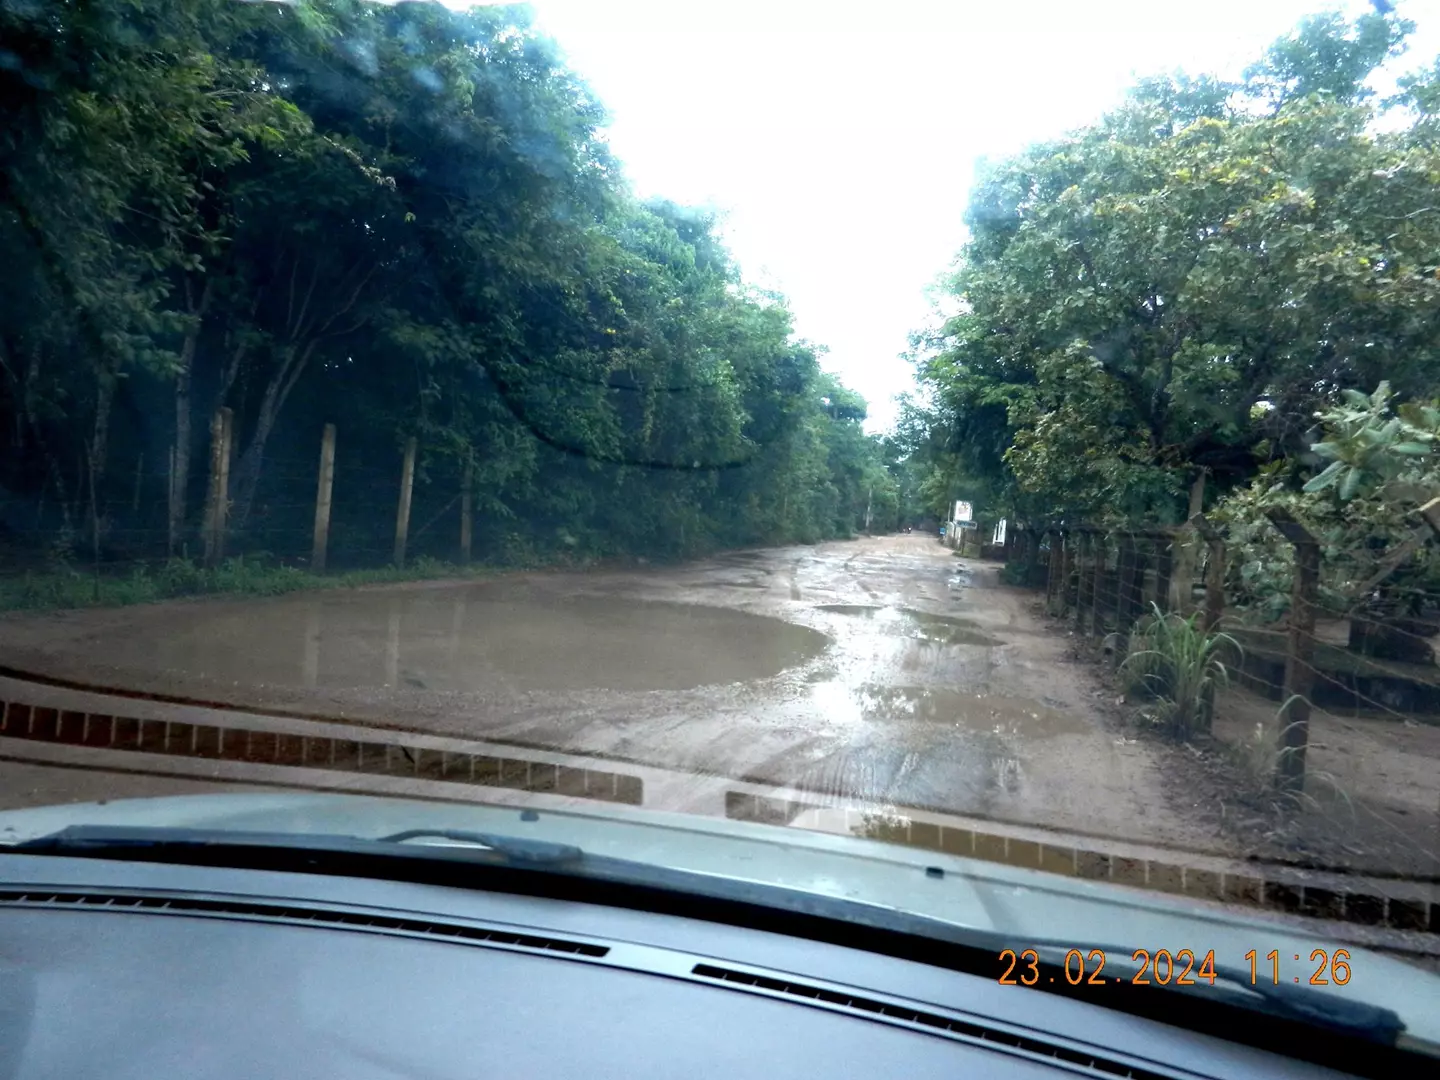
942 532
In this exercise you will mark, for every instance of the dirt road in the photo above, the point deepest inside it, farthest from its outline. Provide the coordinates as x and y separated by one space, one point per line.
884 670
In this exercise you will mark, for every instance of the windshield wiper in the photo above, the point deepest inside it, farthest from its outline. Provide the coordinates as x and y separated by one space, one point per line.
541 867
137 839
514 848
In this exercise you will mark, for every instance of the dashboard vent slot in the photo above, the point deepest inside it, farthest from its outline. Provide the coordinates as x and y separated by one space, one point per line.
1078 1060
297 915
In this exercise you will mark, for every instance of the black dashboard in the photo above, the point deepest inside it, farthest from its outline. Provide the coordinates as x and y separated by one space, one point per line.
143 970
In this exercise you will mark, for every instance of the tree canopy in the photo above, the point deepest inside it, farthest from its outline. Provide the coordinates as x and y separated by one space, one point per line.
402 220
1179 288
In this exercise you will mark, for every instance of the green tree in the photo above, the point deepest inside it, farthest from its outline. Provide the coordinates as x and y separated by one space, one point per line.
1178 288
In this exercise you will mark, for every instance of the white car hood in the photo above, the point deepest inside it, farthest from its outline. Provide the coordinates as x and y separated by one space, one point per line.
1022 905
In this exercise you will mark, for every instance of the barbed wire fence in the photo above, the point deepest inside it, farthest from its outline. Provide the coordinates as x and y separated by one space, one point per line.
335 509
1344 646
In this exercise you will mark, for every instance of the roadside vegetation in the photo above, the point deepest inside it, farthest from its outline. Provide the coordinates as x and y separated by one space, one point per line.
78 587
1174 660
402 220
1224 296
1230 280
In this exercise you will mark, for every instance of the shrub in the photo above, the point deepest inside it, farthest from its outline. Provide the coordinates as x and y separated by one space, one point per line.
1174 660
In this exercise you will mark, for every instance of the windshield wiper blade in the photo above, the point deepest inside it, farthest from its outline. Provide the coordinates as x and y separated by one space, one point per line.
100 839
1315 1007
517 849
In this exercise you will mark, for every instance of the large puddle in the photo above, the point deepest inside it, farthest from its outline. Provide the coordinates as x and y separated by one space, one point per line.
902 622
469 638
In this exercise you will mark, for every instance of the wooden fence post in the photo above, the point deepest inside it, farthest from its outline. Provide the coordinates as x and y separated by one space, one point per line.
1126 564
217 503
1098 551
1052 563
402 512
1164 569
1214 573
1185 559
1083 542
1214 608
1067 541
323 489
466 508
1299 653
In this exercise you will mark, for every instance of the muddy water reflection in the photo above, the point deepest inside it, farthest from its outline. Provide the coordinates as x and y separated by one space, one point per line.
993 714
473 638
921 625
909 707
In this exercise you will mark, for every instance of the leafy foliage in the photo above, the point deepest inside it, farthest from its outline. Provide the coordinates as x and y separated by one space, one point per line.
1373 453
1381 465
1177 289
405 221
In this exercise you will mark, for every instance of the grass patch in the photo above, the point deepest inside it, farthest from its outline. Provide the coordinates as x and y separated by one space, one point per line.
1257 760
1181 666
66 587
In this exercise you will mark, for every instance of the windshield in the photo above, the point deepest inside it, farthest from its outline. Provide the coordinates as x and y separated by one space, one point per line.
1005 439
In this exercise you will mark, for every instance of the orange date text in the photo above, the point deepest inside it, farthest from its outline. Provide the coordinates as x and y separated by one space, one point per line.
1158 967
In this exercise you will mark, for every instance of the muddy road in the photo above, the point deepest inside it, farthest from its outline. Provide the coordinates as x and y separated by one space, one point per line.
885 670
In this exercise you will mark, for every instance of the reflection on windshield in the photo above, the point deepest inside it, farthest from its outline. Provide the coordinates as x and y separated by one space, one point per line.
366 430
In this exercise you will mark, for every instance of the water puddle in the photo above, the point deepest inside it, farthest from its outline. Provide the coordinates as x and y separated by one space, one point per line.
471 638
983 713
903 622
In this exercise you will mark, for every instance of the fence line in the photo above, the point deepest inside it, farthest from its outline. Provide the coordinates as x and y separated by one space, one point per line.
352 496
1105 580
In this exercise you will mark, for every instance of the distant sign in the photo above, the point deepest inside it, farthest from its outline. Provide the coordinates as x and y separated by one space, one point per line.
963 511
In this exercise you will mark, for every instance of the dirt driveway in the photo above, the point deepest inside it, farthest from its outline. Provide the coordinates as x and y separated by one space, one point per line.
883 669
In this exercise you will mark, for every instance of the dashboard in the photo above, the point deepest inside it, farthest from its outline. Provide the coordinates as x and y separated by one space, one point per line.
148 970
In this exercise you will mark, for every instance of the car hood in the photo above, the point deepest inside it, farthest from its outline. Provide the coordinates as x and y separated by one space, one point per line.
1021 905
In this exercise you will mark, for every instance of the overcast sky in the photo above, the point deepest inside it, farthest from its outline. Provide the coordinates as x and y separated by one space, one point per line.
840 139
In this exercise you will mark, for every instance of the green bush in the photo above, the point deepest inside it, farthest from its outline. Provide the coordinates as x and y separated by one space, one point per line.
1172 659
244 575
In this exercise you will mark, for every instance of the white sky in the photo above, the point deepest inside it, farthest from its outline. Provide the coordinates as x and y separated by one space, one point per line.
840 139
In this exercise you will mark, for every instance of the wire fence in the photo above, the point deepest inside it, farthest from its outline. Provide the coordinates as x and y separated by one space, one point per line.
1323 684
331 509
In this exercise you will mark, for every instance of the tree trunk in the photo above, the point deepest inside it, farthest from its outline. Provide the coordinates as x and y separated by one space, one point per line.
183 379
247 470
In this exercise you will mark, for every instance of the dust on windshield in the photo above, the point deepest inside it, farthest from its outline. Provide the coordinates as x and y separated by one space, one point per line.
376 420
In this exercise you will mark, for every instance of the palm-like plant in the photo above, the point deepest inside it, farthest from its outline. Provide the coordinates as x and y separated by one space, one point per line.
1174 659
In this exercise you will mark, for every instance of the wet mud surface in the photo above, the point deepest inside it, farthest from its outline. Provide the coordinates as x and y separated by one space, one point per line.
468 638
884 670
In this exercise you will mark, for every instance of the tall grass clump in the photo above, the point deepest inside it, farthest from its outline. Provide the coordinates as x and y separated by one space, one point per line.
1175 661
